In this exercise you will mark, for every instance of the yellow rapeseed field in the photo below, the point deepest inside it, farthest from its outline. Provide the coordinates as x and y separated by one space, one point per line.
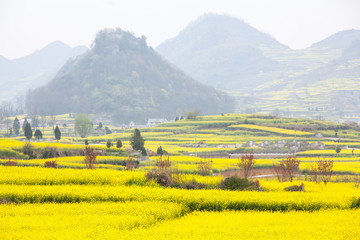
326 224
271 129
105 220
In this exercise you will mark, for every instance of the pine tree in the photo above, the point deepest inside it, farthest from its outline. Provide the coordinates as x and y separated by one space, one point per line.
16 126
24 124
136 140
57 133
27 130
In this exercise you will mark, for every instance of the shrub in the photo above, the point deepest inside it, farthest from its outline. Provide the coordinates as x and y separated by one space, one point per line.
118 143
108 143
204 167
131 163
296 188
50 152
162 176
236 183
51 164
28 149
6 153
193 185
163 162
10 163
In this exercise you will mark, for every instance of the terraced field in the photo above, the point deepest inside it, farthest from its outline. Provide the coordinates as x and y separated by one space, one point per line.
110 202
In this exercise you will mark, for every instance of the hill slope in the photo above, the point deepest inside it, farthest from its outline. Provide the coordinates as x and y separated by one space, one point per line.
264 75
222 51
125 78
34 70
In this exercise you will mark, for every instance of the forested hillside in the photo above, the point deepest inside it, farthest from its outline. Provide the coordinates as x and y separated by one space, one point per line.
123 77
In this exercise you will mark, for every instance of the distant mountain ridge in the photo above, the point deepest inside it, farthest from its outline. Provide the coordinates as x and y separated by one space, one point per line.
265 75
124 78
205 50
36 69
339 40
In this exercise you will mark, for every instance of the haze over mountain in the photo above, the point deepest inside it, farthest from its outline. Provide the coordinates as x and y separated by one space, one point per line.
121 76
263 74
222 51
34 70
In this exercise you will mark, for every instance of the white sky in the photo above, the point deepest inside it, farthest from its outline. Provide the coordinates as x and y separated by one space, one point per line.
29 25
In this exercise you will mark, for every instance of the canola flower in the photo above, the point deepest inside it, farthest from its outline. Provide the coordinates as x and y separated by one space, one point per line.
328 152
352 167
335 195
110 162
325 224
271 129
96 220
63 176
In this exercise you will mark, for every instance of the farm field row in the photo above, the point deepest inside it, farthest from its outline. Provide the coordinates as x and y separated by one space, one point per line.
274 198
157 220
344 163
99 204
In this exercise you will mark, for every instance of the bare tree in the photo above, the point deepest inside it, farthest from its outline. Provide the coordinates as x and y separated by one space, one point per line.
20 104
322 170
52 120
287 168
6 110
246 163
43 121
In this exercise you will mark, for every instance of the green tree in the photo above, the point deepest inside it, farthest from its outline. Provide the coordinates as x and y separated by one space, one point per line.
143 152
57 133
83 125
107 130
38 134
108 144
27 131
24 124
118 143
136 140
338 149
193 114
16 126
159 151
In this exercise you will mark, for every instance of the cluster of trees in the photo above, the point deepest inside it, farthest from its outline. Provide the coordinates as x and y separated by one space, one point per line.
83 125
28 132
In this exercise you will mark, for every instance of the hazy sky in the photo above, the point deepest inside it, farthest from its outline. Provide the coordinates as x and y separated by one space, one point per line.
29 25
